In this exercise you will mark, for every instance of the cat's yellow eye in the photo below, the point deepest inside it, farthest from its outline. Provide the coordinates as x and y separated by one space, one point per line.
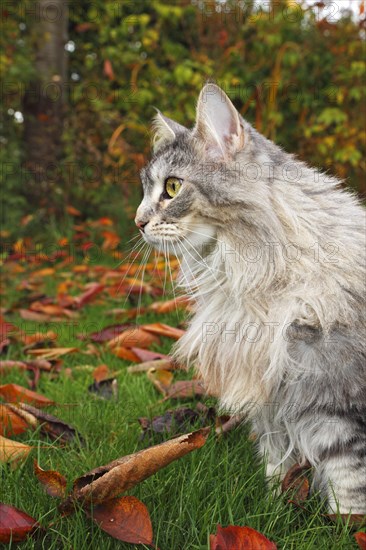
172 186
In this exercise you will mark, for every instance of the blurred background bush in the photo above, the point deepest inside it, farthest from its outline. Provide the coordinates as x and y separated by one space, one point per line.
80 80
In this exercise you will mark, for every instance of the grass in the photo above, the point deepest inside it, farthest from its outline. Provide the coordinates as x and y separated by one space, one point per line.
222 483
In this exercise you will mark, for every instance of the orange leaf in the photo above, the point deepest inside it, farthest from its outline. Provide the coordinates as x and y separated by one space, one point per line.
52 353
135 336
164 330
126 519
72 211
12 451
361 540
89 294
162 379
10 422
100 373
15 525
169 305
53 482
15 394
108 69
239 538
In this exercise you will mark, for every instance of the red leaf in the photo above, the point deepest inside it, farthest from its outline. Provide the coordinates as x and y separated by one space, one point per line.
89 294
15 525
10 422
126 519
17 394
146 355
108 69
361 540
239 538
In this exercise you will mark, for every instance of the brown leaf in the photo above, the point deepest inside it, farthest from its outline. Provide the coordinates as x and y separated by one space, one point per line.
53 482
17 394
13 451
10 422
171 422
164 330
147 355
126 519
108 69
169 305
51 425
296 481
132 337
162 379
15 525
352 520
239 538
225 424
124 473
361 540
185 389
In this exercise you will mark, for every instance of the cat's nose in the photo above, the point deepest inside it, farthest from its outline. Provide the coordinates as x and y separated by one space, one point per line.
141 225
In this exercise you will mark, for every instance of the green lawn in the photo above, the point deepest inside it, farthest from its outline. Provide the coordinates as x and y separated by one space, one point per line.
222 483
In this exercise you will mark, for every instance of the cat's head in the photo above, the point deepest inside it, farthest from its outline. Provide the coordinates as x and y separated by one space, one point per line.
189 184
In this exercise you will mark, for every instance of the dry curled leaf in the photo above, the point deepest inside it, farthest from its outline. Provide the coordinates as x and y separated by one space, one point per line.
132 337
51 425
158 364
164 330
15 525
239 538
53 482
125 518
185 389
124 473
162 379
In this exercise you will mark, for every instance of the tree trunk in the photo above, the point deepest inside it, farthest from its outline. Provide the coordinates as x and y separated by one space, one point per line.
44 100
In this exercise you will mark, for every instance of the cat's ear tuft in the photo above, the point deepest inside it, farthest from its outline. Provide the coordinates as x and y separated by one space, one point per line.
218 123
164 130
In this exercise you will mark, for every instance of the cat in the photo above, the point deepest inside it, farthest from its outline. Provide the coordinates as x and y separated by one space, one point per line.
272 253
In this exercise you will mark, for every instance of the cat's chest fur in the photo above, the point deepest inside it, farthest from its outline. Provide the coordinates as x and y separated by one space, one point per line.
228 337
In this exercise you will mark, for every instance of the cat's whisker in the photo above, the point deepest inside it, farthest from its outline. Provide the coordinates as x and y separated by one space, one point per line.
138 248
204 264
142 280
136 275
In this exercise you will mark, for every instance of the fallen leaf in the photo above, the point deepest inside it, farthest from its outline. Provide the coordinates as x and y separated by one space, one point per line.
100 373
164 330
162 379
352 520
147 355
171 422
185 389
296 481
53 482
158 364
226 424
124 473
239 538
107 388
10 422
132 337
51 425
93 290
15 525
13 451
17 394
51 354
169 305
125 518
107 333
361 540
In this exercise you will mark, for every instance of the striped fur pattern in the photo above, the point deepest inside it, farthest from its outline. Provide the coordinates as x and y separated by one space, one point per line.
273 254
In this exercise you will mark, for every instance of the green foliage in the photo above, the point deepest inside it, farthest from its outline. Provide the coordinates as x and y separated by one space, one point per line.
296 75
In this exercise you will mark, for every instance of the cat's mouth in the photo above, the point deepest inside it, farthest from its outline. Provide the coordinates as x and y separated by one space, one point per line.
180 240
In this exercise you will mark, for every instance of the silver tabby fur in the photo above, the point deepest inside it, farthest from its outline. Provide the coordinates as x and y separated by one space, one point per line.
273 254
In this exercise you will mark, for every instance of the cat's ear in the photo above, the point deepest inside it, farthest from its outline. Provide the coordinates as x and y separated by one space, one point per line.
165 130
218 123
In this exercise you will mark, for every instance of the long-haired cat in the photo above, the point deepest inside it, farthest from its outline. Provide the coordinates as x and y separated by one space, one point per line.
273 254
